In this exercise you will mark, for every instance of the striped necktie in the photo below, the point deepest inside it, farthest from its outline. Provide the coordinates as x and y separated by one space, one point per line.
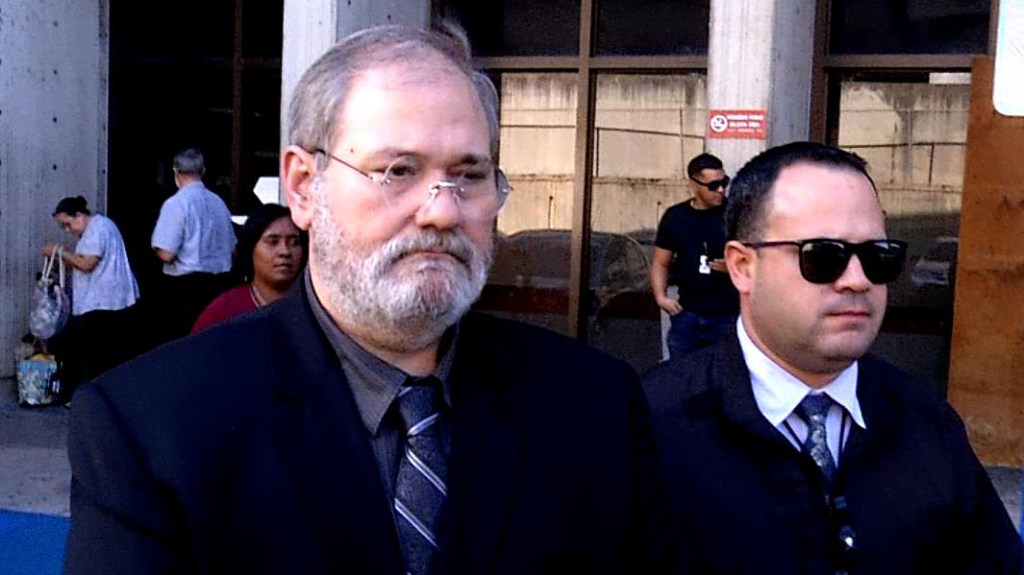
813 409
420 489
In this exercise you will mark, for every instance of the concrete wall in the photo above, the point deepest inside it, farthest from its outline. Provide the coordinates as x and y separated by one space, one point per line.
53 137
760 57
311 27
354 15
914 137
648 128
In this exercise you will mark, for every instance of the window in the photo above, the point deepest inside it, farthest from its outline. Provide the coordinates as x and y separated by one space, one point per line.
196 79
914 136
520 27
646 129
898 76
586 166
910 26
531 275
652 27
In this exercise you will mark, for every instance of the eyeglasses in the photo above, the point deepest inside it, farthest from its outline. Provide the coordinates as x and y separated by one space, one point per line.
714 185
475 188
823 260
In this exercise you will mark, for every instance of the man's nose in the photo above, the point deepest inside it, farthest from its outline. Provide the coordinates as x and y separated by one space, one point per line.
441 208
853 277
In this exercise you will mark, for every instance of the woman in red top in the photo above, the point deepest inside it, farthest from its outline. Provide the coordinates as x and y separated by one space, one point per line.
276 254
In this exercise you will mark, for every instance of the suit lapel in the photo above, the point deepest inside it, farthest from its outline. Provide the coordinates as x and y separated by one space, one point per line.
738 403
880 413
325 448
487 447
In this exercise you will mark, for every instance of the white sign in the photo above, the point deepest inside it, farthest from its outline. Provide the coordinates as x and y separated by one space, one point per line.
268 190
1008 93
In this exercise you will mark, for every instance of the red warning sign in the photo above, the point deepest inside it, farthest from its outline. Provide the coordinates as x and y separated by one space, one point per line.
738 124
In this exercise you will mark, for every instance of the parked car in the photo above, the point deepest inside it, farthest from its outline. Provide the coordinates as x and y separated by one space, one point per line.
617 262
529 281
937 267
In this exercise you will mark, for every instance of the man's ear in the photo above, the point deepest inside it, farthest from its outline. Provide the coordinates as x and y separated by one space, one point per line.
298 176
740 261
691 186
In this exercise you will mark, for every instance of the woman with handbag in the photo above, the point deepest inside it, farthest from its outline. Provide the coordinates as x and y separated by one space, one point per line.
103 293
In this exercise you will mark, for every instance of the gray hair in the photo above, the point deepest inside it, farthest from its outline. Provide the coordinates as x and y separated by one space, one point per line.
317 102
189 161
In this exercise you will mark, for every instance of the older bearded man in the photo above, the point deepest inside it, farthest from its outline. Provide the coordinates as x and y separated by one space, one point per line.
368 423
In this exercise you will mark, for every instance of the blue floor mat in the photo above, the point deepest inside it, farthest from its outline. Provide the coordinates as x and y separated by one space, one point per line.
31 544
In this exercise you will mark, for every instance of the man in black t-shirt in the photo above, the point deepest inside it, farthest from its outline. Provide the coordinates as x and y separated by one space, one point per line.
689 249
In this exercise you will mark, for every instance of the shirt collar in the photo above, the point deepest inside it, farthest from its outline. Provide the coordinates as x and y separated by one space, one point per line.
778 392
193 184
375 383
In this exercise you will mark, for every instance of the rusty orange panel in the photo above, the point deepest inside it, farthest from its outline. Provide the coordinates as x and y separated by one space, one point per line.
986 373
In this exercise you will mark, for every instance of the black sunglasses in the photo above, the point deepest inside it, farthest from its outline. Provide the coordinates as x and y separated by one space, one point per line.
823 260
714 185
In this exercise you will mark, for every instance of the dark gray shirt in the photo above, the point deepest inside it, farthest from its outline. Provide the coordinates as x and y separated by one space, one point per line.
375 385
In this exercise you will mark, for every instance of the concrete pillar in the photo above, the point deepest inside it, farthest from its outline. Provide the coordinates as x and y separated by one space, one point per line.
313 26
358 14
53 137
310 28
760 57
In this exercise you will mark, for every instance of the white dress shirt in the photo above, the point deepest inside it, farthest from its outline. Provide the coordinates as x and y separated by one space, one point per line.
778 392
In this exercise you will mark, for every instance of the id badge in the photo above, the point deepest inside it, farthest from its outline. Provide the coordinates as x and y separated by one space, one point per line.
704 268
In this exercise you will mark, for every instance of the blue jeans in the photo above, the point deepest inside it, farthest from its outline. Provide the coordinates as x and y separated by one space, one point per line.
690 332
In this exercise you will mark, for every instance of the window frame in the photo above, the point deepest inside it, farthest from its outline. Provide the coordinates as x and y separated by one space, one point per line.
828 70
586 66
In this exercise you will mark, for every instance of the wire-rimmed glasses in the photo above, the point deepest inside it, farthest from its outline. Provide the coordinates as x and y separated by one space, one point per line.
480 189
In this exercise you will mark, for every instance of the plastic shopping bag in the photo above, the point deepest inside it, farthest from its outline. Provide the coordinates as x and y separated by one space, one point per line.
50 303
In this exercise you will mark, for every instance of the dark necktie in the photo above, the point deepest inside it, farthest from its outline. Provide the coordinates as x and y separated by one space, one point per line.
813 410
420 488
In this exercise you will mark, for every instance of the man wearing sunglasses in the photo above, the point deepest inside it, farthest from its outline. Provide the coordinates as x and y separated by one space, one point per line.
689 250
787 447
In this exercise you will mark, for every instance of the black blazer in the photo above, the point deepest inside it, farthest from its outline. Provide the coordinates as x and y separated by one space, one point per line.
240 450
918 500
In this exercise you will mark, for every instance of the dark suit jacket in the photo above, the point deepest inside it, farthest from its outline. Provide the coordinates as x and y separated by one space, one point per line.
240 450
918 500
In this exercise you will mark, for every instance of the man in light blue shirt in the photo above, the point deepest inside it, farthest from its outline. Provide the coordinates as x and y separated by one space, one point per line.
194 238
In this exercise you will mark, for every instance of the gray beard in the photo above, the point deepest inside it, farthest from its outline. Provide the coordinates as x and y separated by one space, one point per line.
399 310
